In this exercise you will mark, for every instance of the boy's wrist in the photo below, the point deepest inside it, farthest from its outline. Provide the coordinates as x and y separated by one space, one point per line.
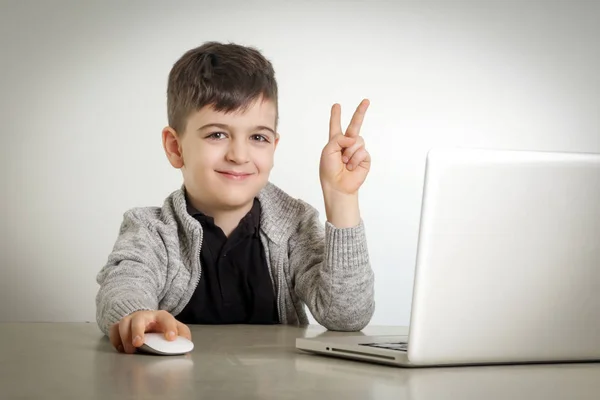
341 209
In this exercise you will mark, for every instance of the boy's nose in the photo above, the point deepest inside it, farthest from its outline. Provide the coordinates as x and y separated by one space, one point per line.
237 153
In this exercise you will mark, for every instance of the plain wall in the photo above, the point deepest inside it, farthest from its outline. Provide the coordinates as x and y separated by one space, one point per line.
83 104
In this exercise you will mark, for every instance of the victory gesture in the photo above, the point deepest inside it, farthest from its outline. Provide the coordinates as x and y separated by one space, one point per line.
345 162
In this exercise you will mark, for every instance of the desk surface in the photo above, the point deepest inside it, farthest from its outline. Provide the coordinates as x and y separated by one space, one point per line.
75 361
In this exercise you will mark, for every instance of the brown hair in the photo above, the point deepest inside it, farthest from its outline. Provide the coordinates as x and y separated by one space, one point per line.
228 77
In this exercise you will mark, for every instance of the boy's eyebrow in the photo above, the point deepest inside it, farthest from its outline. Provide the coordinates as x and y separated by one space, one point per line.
224 126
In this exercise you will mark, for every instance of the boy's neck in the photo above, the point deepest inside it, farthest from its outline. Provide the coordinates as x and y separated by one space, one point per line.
226 219
230 219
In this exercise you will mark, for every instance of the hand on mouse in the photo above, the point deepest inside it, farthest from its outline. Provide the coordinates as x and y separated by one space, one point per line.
128 334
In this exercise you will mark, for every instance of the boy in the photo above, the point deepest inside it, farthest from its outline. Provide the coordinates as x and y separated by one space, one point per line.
229 247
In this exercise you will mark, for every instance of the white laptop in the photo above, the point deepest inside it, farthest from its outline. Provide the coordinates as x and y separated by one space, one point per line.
508 264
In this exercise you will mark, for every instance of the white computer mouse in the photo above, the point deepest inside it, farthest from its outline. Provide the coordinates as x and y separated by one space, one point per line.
156 343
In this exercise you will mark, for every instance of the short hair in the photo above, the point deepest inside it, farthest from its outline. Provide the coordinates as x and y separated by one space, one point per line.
228 77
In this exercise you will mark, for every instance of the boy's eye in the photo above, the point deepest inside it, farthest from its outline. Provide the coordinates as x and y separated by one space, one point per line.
259 138
217 135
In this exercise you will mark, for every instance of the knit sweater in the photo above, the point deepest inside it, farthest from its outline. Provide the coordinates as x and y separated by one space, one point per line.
155 263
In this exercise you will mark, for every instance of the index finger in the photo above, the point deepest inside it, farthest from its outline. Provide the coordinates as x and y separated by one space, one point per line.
184 330
335 121
168 324
357 119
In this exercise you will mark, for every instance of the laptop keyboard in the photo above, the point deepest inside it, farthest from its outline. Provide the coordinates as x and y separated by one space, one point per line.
398 346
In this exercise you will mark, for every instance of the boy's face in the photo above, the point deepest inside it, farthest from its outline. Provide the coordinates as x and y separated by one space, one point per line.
225 158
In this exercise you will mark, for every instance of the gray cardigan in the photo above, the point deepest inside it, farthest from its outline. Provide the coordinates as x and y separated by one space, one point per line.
155 263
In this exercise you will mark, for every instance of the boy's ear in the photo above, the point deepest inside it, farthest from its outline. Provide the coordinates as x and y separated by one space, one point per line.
276 139
172 147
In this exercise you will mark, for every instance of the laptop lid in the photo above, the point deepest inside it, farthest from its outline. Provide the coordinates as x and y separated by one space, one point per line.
508 263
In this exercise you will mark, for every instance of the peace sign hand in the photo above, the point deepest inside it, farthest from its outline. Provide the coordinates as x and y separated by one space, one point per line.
345 162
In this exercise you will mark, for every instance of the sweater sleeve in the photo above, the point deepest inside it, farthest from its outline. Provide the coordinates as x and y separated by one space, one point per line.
134 275
332 271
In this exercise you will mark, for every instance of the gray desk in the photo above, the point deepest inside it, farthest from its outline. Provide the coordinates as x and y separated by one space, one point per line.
74 361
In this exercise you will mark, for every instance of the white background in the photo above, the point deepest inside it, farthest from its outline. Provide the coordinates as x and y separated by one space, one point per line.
83 103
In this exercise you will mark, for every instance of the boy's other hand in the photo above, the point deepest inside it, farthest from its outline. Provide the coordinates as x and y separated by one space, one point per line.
345 162
128 334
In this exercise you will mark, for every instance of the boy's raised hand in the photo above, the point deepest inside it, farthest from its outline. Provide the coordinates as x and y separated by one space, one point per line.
345 162
128 334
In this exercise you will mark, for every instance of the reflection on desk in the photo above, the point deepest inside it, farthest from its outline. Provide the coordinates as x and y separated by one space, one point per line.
254 362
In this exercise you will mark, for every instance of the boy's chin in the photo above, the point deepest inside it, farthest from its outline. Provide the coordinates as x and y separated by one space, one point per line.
228 197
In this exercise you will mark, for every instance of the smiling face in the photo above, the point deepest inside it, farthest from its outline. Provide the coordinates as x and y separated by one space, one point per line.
225 158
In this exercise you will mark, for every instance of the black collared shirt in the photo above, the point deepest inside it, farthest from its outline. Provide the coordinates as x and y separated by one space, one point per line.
235 285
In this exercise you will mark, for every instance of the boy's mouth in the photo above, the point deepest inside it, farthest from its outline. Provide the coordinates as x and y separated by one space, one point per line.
235 175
